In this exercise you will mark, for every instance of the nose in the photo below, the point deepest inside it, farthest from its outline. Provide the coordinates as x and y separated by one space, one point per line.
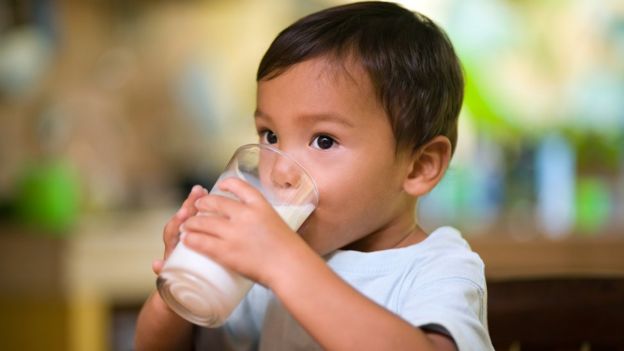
285 174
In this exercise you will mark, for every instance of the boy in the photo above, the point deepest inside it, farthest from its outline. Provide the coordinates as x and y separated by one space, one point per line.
366 97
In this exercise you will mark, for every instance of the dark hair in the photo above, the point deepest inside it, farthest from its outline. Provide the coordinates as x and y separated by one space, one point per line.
410 60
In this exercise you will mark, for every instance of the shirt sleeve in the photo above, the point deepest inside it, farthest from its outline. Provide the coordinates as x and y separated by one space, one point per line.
456 304
450 292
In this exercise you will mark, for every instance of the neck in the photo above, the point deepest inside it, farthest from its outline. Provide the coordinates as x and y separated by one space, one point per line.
401 232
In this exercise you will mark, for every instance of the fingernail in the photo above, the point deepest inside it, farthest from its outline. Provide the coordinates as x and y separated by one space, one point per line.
181 212
181 229
196 188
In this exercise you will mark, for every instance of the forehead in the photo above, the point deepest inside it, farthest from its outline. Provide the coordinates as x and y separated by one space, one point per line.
321 82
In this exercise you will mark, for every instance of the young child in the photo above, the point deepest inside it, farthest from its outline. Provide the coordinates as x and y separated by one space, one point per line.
366 97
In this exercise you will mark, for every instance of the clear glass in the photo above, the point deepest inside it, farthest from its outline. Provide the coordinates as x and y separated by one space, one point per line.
199 289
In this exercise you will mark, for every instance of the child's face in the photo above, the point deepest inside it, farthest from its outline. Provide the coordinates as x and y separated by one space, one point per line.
328 118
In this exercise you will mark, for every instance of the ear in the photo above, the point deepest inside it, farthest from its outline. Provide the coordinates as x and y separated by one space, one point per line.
427 166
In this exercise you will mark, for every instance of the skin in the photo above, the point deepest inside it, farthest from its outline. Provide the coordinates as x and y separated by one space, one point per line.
327 117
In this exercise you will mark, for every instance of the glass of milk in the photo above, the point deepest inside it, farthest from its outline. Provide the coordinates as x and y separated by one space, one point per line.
199 289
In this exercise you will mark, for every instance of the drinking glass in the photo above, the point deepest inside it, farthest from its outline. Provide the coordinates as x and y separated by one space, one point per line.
204 292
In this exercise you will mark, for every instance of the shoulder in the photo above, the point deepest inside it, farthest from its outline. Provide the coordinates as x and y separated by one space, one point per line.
446 254
446 239
443 253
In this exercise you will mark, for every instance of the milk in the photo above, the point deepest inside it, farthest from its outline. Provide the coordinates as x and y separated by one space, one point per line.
204 292
294 215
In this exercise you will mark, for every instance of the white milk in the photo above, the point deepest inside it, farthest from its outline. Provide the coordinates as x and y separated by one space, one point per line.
294 215
204 292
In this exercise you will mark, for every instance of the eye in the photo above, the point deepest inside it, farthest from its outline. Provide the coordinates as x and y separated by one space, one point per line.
268 137
323 142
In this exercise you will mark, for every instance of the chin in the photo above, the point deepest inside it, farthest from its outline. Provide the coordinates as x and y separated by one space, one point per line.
313 239
322 237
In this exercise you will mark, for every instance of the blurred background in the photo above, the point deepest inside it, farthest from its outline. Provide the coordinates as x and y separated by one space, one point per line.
111 110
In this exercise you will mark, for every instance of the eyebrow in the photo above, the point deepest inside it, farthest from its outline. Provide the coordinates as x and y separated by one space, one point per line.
313 117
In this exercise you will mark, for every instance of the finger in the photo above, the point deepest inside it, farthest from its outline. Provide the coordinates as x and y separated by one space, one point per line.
170 232
189 204
242 190
205 244
186 210
171 228
214 225
157 266
217 204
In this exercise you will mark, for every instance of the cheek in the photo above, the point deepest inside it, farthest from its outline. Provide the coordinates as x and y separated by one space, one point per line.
358 178
342 184
357 195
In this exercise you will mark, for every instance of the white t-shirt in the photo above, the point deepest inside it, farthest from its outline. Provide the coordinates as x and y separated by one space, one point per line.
438 283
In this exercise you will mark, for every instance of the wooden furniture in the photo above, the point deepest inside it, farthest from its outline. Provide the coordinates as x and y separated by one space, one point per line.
550 295
507 258
557 314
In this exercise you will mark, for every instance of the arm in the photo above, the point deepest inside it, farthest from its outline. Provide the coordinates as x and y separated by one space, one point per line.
370 326
158 327
291 269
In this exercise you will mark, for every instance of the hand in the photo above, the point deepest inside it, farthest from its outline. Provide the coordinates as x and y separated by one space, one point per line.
171 234
245 235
